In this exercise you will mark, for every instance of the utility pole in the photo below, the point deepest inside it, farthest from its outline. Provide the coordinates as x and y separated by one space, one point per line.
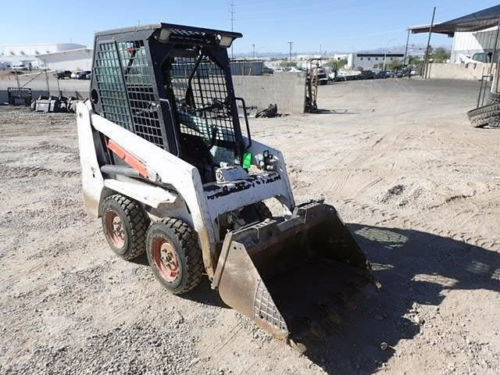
17 78
406 48
426 58
58 87
232 26
47 82
253 47
290 53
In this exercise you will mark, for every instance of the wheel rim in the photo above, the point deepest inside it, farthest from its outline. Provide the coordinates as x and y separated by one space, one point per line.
166 259
115 229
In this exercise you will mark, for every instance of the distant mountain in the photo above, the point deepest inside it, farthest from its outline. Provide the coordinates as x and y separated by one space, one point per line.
413 50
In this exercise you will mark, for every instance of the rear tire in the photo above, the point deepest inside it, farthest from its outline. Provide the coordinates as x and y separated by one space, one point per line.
174 255
125 223
485 116
493 98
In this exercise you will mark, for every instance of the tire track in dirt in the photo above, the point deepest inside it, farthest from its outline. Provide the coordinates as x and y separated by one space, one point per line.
30 172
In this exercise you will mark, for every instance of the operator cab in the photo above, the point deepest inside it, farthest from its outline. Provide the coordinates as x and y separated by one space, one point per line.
171 85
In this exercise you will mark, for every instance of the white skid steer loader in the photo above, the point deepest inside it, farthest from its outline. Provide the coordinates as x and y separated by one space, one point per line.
166 167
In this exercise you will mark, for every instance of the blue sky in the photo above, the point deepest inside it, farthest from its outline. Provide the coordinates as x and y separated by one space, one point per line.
345 25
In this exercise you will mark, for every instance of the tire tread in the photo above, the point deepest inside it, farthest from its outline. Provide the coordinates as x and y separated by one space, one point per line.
139 222
194 261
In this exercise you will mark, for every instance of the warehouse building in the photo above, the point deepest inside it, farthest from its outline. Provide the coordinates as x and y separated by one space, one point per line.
74 60
478 46
28 55
475 36
372 61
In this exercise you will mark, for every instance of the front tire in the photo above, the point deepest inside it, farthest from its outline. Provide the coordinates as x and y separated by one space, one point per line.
174 255
125 223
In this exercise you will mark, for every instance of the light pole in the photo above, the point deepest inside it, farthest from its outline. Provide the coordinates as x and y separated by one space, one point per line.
406 48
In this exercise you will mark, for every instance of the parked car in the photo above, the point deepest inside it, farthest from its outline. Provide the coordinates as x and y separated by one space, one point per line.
63 74
322 77
367 74
83 75
382 74
19 67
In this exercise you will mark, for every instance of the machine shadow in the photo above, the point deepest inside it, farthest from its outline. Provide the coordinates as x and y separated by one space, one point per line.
412 267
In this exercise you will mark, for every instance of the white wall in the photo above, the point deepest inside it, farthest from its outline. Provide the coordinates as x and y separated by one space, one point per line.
458 71
284 89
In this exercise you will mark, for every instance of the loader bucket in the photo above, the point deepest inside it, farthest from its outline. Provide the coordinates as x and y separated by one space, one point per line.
292 277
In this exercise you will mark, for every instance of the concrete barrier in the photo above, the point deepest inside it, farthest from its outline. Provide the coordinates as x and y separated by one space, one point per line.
284 89
68 87
469 71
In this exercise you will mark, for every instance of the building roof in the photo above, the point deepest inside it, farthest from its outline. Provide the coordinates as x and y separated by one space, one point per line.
481 20
68 51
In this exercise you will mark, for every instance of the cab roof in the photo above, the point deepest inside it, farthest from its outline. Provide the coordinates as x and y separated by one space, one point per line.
176 31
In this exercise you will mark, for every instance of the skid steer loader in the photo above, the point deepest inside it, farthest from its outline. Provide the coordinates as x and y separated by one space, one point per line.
170 171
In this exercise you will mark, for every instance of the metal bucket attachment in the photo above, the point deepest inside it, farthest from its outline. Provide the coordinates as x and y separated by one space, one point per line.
291 276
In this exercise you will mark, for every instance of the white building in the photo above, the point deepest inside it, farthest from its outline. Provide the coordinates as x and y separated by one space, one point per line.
74 60
372 61
340 56
28 54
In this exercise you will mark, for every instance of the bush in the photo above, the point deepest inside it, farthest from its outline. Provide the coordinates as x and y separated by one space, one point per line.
440 55
336 64
288 64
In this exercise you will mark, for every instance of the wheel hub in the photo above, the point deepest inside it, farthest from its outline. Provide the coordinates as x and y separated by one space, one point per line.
166 259
115 229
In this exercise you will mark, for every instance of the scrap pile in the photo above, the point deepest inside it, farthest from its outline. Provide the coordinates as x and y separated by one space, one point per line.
54 104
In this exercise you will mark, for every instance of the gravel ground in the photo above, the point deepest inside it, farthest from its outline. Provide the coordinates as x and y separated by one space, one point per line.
419 187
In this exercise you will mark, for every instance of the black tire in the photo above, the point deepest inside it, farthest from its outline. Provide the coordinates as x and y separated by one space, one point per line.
485 116
129 239
252 213
170 238
493 98
263 211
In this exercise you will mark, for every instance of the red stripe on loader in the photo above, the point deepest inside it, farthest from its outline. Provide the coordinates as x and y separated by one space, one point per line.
128 158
